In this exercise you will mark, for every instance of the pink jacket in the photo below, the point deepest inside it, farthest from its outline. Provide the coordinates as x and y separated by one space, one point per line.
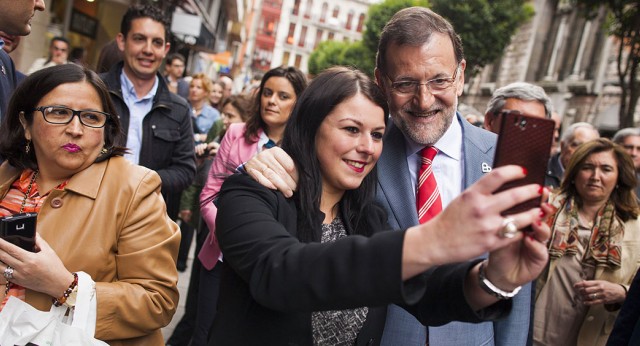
233 151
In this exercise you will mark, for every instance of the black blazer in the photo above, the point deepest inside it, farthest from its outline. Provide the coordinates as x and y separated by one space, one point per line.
8 81
271 282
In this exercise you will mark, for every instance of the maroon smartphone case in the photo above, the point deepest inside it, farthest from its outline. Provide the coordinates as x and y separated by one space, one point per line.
524 141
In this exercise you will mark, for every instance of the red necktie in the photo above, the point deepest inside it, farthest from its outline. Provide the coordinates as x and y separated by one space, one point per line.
428 202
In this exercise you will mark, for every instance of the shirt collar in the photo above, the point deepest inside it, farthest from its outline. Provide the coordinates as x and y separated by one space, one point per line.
129 90
449 144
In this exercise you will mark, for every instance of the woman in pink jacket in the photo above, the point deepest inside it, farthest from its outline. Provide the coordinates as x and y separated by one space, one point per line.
274 102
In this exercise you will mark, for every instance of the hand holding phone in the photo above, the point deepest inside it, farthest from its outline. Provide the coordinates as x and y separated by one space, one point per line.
20 230
524 141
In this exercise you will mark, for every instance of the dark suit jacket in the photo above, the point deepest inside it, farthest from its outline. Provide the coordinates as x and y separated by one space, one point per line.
626 330
555 172
396 195
8 81
183 87
271 282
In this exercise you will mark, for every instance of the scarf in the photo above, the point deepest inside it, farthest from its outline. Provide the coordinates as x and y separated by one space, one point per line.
604 248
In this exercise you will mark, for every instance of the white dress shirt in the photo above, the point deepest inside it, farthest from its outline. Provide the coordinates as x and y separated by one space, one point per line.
448 165
138 109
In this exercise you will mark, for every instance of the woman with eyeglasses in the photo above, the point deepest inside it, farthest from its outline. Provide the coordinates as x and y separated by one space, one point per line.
104 241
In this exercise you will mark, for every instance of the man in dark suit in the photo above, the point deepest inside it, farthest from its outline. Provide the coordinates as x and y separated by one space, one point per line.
15 19
11 42
174 67
629 139
419 48
572 138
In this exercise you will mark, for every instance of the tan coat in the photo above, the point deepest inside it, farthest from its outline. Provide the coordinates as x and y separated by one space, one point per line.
598 322
110 221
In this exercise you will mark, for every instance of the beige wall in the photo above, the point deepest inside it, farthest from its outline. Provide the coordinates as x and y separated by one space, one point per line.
36 44
31 47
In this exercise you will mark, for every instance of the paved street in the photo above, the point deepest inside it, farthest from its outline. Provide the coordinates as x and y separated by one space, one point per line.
183 285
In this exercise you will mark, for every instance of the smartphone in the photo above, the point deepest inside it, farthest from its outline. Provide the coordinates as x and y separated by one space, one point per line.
524 141
19 229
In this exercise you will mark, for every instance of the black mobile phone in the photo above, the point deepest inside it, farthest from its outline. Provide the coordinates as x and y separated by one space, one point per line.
19 229
524 141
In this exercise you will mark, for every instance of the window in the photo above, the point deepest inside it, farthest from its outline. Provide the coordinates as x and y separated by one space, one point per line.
336 11
292 30
318 38
360 22
349 19
285 58
307 13
303 36
331 35
268 26
296 7
323 12
298 60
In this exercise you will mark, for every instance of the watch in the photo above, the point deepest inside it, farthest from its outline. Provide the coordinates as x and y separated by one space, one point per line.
71 299
492 289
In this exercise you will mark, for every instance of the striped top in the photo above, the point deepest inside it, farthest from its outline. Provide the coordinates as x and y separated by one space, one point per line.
11 204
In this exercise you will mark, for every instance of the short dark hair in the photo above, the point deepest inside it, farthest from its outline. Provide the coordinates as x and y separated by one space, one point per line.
327 90
144 11
414 26
61 39
255 123
173 56
623 196
31 91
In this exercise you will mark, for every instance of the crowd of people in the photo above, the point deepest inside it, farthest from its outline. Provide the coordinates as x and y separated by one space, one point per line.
332 210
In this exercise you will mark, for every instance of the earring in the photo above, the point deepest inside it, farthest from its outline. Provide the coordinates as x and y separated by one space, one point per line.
104 151
27 147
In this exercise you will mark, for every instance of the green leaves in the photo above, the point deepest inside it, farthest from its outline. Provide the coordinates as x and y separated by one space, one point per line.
486 28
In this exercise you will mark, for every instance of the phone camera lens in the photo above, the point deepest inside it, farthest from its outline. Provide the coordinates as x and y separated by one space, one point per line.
523 123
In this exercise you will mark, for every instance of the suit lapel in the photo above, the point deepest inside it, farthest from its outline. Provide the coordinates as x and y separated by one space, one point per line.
478 150
394 181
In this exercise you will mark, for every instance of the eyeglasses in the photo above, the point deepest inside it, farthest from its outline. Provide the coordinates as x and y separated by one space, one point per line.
436 86
63 115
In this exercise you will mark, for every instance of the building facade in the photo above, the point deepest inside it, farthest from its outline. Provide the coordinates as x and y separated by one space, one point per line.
285 32
90 24
568 54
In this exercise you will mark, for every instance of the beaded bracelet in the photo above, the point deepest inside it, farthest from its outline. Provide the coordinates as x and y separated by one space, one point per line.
67 292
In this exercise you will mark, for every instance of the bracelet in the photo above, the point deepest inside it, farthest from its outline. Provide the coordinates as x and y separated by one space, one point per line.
625 290
67 292
492 289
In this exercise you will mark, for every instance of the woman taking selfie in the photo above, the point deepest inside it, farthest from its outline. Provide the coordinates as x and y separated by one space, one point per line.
279 89
317 268
97 213
594 248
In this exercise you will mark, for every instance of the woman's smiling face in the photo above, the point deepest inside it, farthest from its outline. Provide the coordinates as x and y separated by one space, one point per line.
349 143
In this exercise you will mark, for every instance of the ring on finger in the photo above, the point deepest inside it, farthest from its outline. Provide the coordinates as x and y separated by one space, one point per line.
8 273
508 228
594 296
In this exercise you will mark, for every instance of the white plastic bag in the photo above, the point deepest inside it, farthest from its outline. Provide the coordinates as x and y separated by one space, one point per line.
20 323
